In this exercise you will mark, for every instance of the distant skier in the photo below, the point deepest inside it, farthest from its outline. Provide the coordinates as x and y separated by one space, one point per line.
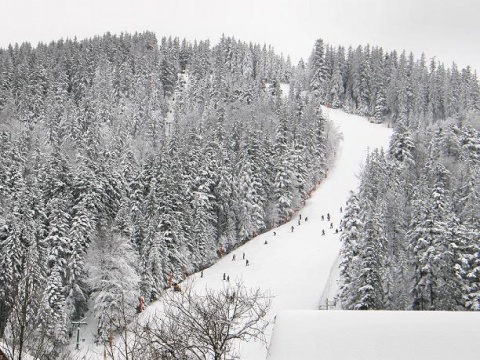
328 216
299 216
201 274
336 231
298 222
228 278
247 263
233 257
341 209
266 242
323 217
274 233
323 232
243 256
224 276
292 228
306 218
331 225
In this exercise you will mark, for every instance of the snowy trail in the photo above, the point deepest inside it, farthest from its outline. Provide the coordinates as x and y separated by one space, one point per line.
297 267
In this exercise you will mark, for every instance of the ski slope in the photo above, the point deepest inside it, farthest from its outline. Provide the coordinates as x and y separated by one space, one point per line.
298 268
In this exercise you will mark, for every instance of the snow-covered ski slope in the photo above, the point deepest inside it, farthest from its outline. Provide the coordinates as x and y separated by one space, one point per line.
295 266
298 268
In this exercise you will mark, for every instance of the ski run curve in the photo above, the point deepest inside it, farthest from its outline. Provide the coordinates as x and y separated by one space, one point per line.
300 268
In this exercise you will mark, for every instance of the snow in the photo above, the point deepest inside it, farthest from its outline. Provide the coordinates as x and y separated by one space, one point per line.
285 89
375 335
298 268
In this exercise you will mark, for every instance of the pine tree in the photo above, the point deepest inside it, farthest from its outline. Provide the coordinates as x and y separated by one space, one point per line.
350 238
318 71
368 283
401 144
435 249
114 282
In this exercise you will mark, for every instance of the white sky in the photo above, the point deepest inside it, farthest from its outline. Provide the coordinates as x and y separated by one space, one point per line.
447 29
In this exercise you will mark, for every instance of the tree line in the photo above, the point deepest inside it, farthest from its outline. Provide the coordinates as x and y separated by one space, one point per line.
125 161
412 230
390 86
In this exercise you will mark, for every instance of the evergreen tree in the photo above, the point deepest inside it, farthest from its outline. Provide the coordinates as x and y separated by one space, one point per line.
351 238
114 283
318 71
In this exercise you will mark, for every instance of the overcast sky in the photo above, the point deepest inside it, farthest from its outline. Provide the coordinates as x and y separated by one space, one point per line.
447 29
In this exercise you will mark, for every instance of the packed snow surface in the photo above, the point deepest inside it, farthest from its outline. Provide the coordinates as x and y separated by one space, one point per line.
375 335
298 267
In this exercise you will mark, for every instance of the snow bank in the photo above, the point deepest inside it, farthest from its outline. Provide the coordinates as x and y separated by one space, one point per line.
375 335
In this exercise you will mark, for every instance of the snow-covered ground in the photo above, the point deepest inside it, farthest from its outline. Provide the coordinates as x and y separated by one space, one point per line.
375 335
298 268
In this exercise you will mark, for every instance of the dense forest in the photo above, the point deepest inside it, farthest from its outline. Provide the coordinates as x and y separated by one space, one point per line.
411 235
126 161
412 230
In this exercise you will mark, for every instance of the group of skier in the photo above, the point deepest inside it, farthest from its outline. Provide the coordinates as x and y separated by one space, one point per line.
331 223
234 257
221 250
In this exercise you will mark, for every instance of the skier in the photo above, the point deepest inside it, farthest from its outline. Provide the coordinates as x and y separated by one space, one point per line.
323 232
341 209
274 233
292 228
328 216
298 222
306 218
228 278
233 257
247 263
323 217
299 216
224 276
243 256
201 274
331 225
336 231
266 242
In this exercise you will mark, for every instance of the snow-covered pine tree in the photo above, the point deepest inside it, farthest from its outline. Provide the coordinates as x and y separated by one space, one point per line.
350 238
283 187
113 281
318 71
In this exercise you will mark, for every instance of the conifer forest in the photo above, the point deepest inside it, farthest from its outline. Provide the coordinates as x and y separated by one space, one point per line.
127 160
